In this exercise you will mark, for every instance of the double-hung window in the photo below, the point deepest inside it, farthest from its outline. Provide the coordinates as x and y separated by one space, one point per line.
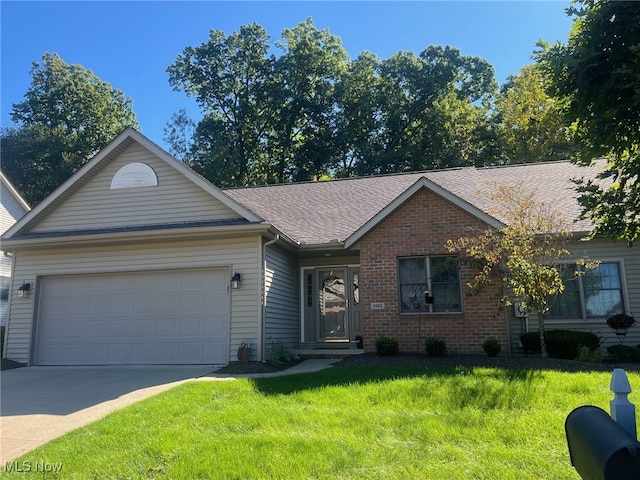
596 293
424 277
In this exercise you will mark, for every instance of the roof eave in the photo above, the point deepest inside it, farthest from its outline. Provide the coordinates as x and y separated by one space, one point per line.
137 236
423 182
128 136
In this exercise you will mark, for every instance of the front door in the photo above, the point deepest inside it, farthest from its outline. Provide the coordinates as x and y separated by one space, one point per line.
332 299
331 308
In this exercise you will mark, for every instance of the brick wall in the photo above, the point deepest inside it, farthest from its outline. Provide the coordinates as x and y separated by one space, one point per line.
421 227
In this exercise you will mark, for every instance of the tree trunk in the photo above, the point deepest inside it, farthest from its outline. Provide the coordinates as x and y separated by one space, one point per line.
543 343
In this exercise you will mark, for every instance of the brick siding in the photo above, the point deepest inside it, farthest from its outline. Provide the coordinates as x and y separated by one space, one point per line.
421 227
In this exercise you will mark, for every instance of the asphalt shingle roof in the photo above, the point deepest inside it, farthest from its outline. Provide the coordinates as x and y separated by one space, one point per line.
321 212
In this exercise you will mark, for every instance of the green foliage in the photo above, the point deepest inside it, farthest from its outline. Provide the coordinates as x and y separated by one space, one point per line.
527 256
67 116
309 111
590 355
596 76
491 347
530 123
178 134
278 354
2 329
624 353
386 346
435 347
560 343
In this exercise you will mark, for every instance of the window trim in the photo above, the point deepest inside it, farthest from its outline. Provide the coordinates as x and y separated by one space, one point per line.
429 284
581 294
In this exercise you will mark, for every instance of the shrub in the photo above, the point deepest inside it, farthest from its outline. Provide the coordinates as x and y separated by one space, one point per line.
1 340
560 343
624 353
435 346
585 354
387 346
491 347
278 354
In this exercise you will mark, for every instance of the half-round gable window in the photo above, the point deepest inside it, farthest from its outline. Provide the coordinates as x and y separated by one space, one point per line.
134 175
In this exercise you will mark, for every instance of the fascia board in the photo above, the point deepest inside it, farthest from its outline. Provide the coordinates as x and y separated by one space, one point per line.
195 178
137 236
406 195
14 193
129 134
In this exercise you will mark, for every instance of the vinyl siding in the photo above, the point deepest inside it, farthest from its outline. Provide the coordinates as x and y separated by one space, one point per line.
604 251
175 199
282 320
241 254
10 212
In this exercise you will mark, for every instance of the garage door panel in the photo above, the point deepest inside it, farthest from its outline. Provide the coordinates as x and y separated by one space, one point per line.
167 317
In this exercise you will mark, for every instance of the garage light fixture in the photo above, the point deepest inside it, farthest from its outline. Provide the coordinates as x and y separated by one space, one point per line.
23 290
235 280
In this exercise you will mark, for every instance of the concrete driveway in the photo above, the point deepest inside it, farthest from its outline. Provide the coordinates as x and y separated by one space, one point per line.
38 404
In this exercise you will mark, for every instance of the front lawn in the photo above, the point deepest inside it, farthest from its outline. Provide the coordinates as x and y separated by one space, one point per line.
357 422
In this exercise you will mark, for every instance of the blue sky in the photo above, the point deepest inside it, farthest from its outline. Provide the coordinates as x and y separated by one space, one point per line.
131 44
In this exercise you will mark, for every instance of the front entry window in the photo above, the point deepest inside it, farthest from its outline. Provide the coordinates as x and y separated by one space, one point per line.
333 305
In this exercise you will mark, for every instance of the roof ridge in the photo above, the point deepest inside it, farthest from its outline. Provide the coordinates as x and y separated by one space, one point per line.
525 164
346 179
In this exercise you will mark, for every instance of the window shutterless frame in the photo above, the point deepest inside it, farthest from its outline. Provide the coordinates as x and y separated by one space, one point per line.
595 294
423 277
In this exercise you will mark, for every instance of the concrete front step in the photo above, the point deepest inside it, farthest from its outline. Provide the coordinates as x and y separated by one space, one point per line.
328 352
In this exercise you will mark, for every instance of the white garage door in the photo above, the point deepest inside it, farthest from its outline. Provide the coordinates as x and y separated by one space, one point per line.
159 317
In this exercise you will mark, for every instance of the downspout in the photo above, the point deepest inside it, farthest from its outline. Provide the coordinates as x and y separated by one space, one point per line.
263 310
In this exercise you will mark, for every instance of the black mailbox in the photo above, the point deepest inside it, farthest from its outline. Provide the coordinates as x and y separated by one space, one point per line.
600 448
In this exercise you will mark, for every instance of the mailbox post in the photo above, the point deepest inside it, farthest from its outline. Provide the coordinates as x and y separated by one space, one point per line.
599 448
622 410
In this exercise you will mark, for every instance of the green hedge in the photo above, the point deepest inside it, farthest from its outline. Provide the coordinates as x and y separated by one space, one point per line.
387 346
560 343
624 353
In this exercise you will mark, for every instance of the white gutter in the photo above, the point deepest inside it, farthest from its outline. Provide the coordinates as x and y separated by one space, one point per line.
160 234
263 310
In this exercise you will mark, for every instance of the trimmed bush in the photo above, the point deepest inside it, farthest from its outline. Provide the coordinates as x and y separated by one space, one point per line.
435 346
491 347
1 340
560 343
624 353
387 346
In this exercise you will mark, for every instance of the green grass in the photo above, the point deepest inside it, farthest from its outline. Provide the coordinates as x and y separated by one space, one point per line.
347 423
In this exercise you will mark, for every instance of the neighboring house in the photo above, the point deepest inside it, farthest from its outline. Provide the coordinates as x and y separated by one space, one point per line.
131 262
12 208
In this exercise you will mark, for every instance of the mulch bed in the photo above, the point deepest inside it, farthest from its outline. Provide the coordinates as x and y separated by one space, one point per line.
10 364
423 360
238 368
511 363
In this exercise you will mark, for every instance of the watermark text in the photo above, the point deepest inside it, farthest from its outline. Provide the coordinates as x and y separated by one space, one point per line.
37 466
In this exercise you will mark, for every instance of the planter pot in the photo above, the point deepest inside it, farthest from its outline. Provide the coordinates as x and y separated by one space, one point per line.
243 354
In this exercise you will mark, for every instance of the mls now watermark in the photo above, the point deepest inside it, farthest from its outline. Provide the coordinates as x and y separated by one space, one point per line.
37 466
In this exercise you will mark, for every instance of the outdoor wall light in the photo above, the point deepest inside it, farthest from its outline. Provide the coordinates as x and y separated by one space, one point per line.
23 290
428 299
235 280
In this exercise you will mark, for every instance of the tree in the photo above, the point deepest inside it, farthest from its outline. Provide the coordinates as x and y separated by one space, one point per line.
179 135
531 127
431 108
528 256
311 64
596 75
230 77
67 116
309 111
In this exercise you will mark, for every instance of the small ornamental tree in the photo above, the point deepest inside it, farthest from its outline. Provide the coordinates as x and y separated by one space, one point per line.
528 255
